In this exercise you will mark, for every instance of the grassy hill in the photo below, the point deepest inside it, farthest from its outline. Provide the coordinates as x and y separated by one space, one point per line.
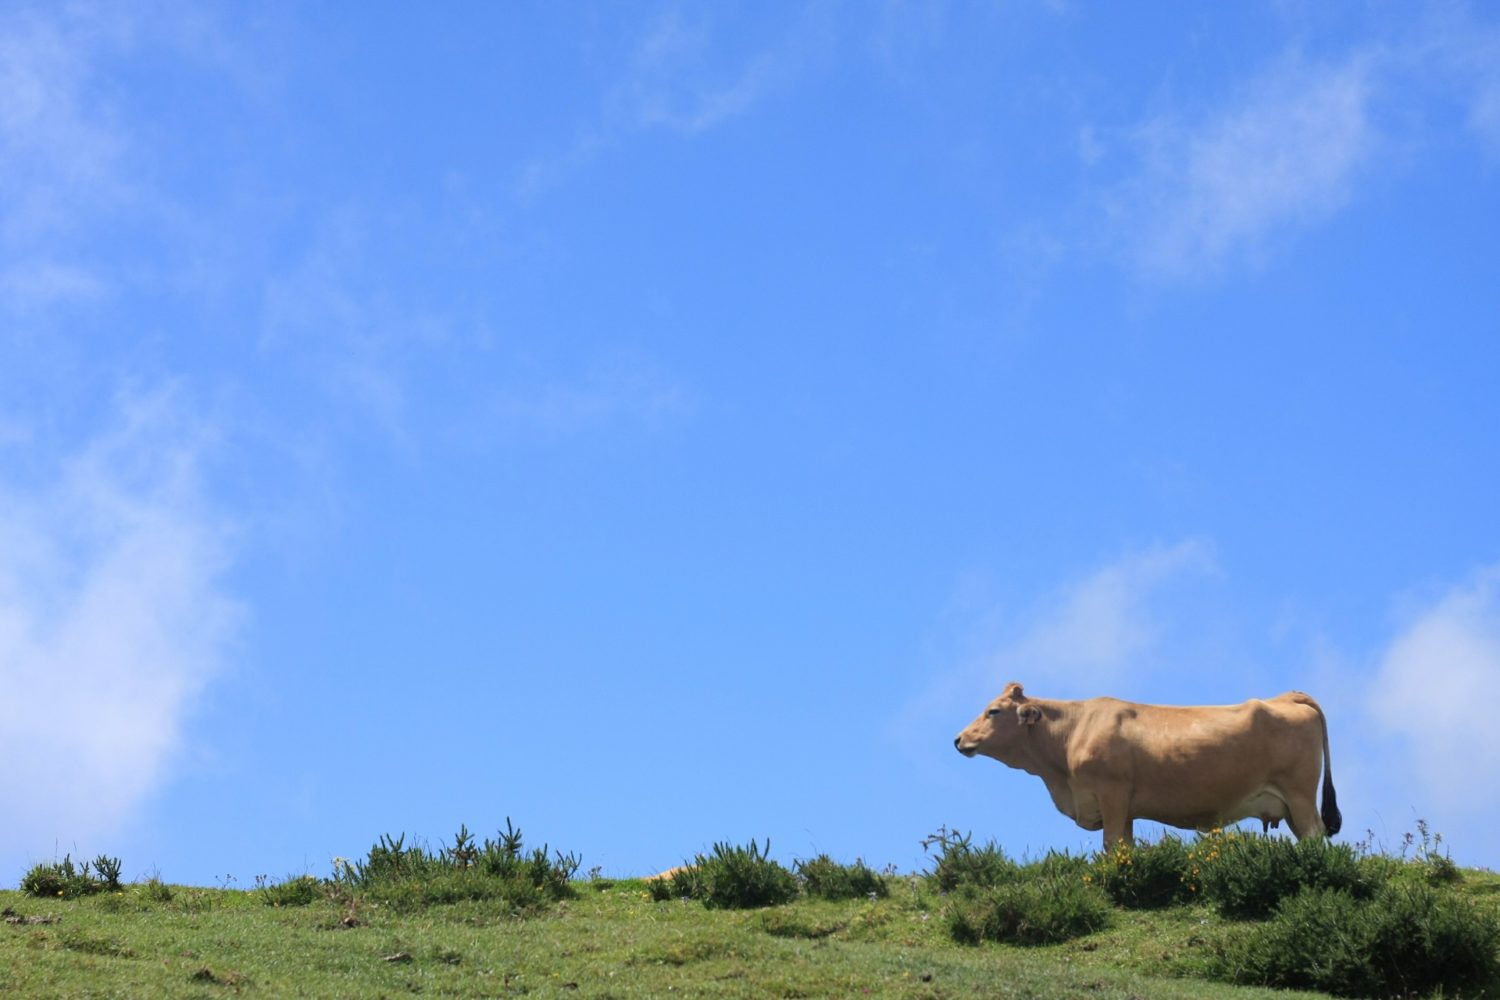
603 938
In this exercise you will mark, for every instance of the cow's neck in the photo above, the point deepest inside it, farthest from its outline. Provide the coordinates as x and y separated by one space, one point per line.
1044 752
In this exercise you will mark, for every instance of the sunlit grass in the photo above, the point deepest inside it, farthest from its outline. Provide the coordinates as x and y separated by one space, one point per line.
350 936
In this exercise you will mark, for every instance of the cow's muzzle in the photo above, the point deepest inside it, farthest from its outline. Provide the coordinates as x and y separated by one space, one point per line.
967 751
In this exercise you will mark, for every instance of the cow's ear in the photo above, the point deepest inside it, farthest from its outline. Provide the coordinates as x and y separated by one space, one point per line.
1013 690
1028 714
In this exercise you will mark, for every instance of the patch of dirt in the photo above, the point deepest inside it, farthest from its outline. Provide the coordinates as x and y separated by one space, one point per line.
27 920
234 980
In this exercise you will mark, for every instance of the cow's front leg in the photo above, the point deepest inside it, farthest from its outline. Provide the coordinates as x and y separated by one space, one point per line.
1114 807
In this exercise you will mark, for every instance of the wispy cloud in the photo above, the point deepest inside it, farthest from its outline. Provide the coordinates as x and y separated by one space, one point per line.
60 151
71 155
670 84
113 616
410 367
1291 147
1436 689
1101 633
620 389
1466 54
677 77
39 284
1096 630
1285 154
331 318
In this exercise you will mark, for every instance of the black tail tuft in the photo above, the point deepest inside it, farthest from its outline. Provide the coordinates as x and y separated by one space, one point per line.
1333 820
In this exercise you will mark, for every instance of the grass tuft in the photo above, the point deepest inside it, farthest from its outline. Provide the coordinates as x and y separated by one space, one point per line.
958 863
733 877
824 878
69 881
1034 911
410 878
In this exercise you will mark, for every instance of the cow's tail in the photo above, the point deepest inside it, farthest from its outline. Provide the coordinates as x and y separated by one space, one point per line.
1333 820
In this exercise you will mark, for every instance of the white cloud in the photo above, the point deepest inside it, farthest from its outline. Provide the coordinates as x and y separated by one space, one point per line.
1098 628
1285 154
1484 116
113 617
378 354
618 390
38 284
59 150
1468 53
1436 689
674 78
1088 637
335 321
1293 146
71 155
668 85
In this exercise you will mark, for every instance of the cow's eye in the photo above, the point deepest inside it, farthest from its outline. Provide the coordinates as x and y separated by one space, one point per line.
993 711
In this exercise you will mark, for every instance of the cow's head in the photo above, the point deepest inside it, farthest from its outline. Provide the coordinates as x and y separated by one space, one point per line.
1002 724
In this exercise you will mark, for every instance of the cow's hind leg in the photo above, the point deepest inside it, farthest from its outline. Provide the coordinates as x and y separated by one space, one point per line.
1303 818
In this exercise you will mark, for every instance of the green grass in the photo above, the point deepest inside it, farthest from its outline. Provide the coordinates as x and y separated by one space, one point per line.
613 942
605 939
610 940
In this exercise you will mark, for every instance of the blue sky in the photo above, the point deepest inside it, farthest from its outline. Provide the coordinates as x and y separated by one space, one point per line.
663 424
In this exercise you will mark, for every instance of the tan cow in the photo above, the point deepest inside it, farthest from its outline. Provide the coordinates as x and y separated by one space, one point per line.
1107 763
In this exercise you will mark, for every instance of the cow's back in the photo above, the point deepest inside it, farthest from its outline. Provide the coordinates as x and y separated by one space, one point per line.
1198 766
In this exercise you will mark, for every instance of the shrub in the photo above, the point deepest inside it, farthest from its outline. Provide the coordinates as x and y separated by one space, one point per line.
1059 864
682 883
959 863
1245 876
514 896
733 877
49 880
1409 940
299 891
390 860
1146 876
412 877
155 890
1436 865
825 878
63 878
108 870
1032 912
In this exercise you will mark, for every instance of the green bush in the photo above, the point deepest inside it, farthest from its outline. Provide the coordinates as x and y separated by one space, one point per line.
1059 864
1034 911
827 879
515 896
959 863
684 883
64 878
1146 876
154 890
1409 940
732 878
1245 876
390 860
413 877
299 891
1429 858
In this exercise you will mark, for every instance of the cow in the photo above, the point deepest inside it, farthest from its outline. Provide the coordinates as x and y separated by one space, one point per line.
672 872
1107 763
